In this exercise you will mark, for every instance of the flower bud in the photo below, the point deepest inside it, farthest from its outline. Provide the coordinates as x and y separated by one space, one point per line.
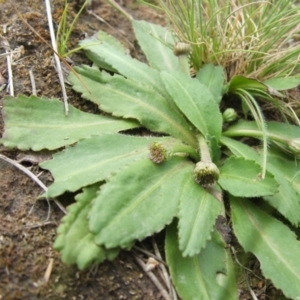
181 49
229 115
206 174
158 153
294 146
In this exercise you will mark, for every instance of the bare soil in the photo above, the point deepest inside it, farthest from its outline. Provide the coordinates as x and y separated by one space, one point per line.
26 246
25 239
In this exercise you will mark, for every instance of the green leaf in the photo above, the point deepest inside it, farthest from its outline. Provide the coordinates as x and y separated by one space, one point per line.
102 36
241 82
151 36
138 201
240 149
40 123
124 64
206 276
94 159
198 211
288 167
283 83
105 37
284 136
129 99
195 101
241 177
74 240
213 78
272 243
276 131
286 200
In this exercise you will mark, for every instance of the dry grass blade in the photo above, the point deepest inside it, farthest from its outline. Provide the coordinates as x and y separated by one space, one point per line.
149 254
56 57
120 9
164 271
257 39
32 80
9 67
35 179
122 33
48 271
26 171
153 278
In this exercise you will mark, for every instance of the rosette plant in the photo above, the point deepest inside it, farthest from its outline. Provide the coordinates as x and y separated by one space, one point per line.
191 171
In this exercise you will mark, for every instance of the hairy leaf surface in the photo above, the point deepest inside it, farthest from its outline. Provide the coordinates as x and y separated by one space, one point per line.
286 200
74 241
40 123
198 211
128 99
288 167
103 155
196 102
241 82
242 177
124 64
272 242
213 78
240 149
283 83
206 276
152 36
276 130
138 201
102 36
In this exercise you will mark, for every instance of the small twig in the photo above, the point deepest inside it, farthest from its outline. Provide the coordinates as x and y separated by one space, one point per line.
41 224
154 279
56 57
120 9
25 170
48 271
32 80
60 206
162 267
250 289
32 176
238 262
90 12
149 254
